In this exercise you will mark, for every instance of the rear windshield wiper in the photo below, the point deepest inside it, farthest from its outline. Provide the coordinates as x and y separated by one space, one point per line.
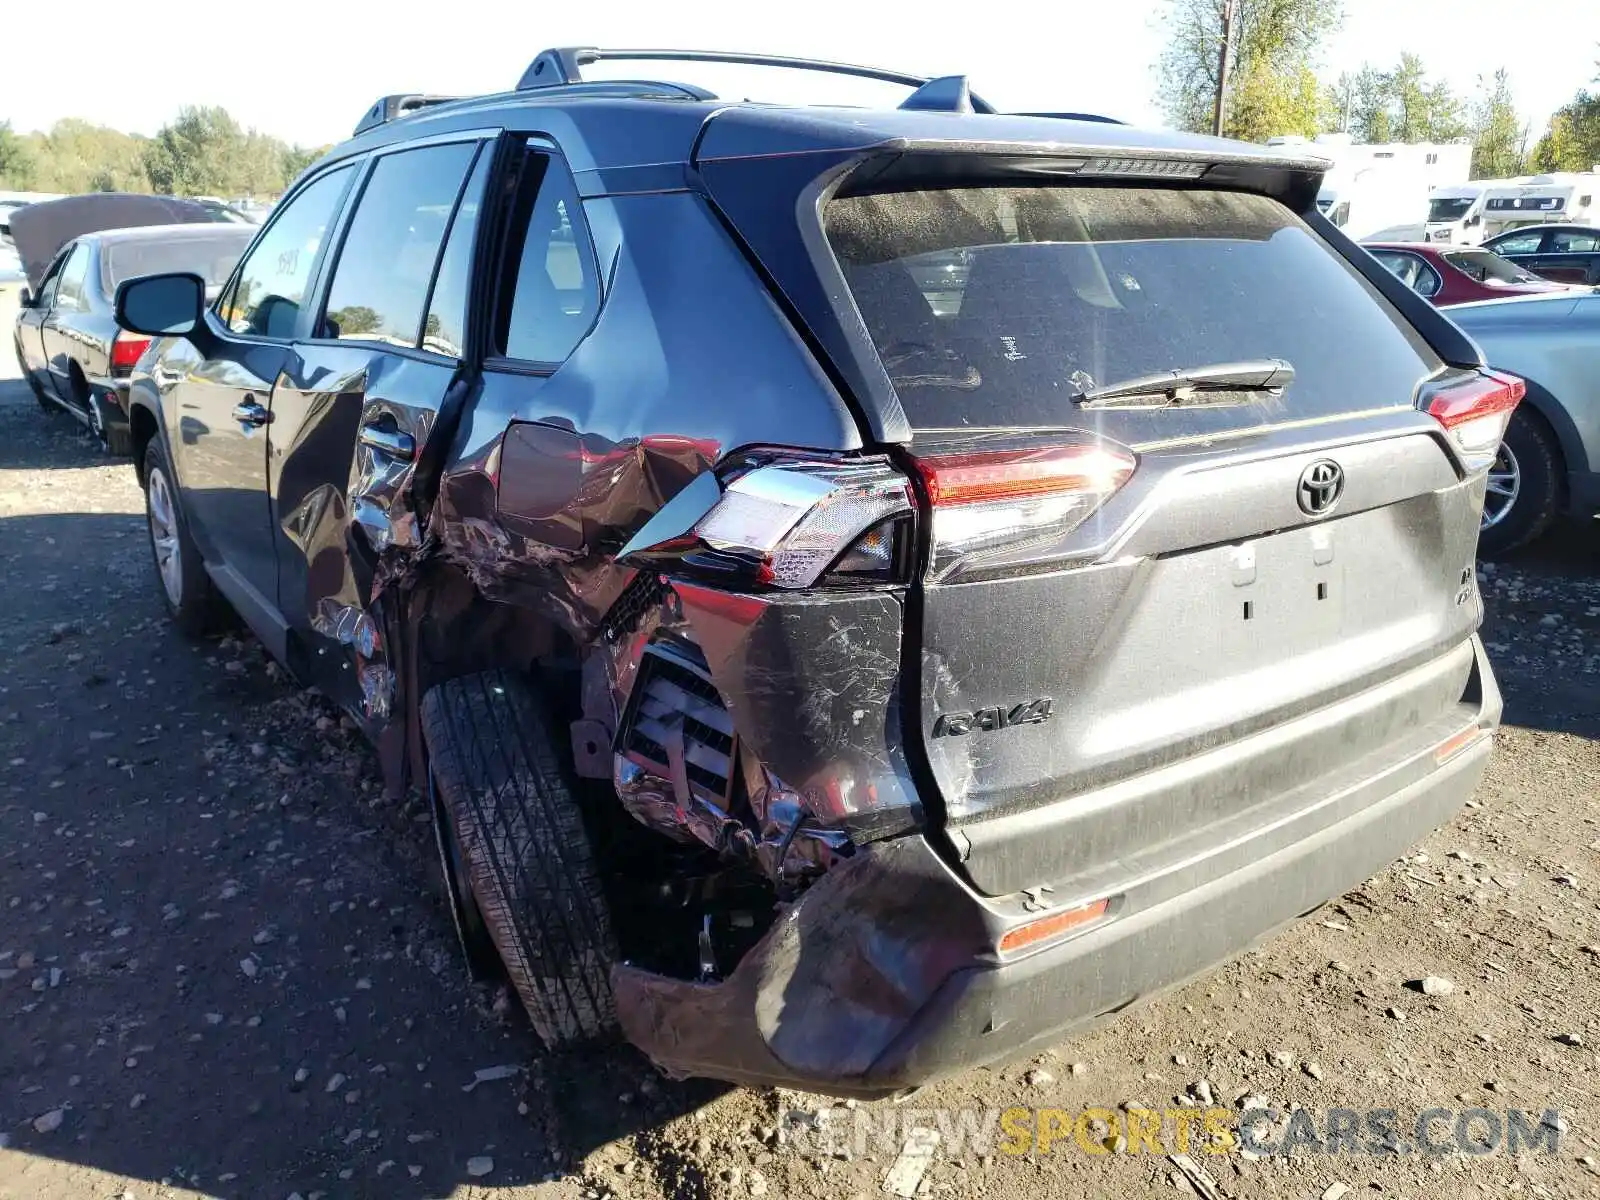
1216 384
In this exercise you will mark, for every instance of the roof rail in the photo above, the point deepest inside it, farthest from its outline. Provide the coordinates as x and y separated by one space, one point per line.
392 108
1074 116
563 66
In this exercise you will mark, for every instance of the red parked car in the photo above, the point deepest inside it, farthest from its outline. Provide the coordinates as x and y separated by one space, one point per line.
1458 274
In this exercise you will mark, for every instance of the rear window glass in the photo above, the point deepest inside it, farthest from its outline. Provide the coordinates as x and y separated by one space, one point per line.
211 255
998 306
1487 267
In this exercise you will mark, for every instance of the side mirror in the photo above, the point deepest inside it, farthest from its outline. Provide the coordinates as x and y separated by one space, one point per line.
161 305
25 298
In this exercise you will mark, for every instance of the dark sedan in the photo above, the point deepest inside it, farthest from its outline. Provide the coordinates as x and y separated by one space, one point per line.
1448 274
1569 253
71 351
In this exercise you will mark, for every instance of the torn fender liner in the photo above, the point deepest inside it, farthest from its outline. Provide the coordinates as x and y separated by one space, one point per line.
837 978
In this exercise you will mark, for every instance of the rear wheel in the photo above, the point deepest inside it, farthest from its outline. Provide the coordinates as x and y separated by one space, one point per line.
477 944
191 598
521 838
1524 490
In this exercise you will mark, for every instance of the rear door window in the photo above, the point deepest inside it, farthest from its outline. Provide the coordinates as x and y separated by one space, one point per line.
380 285
1575 241
1486 266
997 307
549 303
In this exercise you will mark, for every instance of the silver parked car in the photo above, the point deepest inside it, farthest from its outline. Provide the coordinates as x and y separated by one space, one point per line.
1549 463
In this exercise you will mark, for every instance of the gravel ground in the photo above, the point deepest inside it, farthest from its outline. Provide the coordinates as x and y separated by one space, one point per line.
226 969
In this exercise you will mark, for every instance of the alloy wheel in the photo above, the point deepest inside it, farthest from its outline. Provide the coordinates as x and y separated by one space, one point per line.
164 536
1505 483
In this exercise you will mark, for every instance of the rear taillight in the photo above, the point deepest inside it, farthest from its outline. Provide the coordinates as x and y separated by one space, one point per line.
1475 414
785 524
799 522
998 503
126 351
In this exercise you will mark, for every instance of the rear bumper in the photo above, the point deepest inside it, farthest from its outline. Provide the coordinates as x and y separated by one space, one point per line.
884 975
115 392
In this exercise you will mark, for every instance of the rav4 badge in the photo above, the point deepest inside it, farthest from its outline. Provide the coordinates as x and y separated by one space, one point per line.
1032 712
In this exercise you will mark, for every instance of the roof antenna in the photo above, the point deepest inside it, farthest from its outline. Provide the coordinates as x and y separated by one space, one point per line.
948 93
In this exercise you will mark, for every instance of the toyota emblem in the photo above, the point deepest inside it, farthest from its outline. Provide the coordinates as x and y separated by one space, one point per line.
1321 485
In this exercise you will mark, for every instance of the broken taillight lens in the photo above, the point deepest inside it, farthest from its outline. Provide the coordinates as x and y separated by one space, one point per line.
1475 414
993 503
789 523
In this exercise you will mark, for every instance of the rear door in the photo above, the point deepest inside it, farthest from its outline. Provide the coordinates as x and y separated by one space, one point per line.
1521 246
357 402
1112 590
1570 256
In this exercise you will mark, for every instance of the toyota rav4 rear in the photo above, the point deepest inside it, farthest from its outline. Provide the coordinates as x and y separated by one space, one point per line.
1144 624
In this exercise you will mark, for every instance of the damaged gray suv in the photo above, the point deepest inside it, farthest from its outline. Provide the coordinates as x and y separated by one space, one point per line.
869 591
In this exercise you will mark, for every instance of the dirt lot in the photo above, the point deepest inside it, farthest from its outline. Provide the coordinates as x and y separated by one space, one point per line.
225 969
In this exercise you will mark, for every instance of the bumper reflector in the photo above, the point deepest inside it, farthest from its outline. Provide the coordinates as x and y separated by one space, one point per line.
1051 925
1456 743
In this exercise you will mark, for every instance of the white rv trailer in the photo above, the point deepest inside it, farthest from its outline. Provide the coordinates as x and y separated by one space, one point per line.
1455 210
1562 197
1382 191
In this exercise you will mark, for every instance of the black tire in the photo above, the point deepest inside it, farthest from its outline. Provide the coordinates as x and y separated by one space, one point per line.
477 943
526 851
1537 503
192 599
82 404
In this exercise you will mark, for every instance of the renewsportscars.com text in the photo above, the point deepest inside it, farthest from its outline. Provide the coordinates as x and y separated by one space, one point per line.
1254 1132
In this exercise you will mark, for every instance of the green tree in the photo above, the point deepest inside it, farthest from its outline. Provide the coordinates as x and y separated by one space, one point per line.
76 156
1424 111
356 318
1276 42
1403 105
16 160
1265 103
1499 139
1366 105
1572 140
295 159
197 153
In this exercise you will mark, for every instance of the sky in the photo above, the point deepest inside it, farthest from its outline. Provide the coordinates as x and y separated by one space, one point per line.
308 72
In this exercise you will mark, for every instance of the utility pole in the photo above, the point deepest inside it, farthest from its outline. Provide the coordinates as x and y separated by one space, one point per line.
1224 63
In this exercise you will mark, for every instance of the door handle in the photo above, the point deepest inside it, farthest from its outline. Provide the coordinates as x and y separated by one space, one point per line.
250 413
391 442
